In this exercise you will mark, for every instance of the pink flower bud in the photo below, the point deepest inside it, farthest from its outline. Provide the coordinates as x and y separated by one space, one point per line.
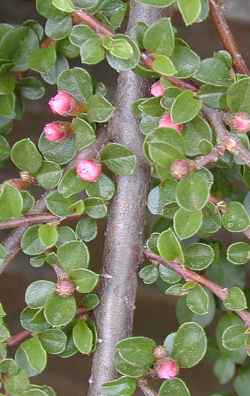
157 89
167 369
57 130
181 168
65 288
89 170
63 104
241 122
166 122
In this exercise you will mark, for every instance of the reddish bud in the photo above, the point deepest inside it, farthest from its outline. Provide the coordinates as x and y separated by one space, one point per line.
166 122
65 288
57 130
181 168
160 352
64 104
89 170
157 89
241 122
167 368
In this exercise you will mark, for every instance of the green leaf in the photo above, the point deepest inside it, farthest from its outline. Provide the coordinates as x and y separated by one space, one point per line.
42 59
83 337
99 109
60 152
104 188
238 96
25 156
71 184
64 5
91 301
198 300
212 96
73 255
119 159
7 105
33 320
160 196
235 299
157 3
234 337
238 253
118 47
53 341
185 107
80 34
92 52
123 386
4 333
192 192
190 345
186 61
86 229
77 82
190 10
59 311
38 292
58 27
49 175
31 88
175 387
169 247
58 205
84 133
211 219
122 64
194 133
7 84
48 234
184 314
4 149
35 354
16 383
65 234
149 274
186 223
168 275
198 256
125 368
11 202
235 218
95 207
137 351
159 37
214 71
84 279
224 370
162 64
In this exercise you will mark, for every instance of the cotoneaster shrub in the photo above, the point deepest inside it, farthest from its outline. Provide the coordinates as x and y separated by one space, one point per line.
194 124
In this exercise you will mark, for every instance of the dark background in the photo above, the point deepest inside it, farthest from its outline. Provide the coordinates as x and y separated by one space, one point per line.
155 313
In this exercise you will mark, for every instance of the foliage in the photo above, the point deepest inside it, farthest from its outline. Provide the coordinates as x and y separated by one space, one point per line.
199 189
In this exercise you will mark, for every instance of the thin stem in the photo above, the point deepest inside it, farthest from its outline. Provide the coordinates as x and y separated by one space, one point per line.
17 338
81 16
145 387
189 275
226 36
34 219
124 235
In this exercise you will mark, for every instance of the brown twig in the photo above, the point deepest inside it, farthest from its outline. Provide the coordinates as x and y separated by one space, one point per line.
34 219
145 388
124 235
226 36
189 275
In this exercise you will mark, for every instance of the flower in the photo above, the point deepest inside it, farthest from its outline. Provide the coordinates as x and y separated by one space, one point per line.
65 288
89 170
63 104
241 122
157 89
167 368
166 122
57 130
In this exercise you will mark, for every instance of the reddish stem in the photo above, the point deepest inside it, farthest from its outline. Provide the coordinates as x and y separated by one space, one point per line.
189 275
227 37
33 219
17 338
81 16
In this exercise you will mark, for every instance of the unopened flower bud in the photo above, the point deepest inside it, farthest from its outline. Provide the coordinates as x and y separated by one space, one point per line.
167 122
64 104
157 89
65 288
89 170
160 352
241 122
167 368
57 130
181 168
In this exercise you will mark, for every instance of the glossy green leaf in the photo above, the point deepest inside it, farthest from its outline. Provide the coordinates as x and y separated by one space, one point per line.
169 247
104 188
99 109
59 205
185 107
84 133
238 253
59 311
48 234
186 223
192 192
53 341
73 255
123 386
235 218
95 207
64 5
77 82
84 279
121 64
159 37
234 337
198 300
149 274
35 354
119 159
60 152
224 370
11 202
190 345
49 174
137 351
235 299
175 386
42 59
157 3
186 61
86 229
83 337
163 65
214 71
38 292
190 10
198 256
238 96
25 156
